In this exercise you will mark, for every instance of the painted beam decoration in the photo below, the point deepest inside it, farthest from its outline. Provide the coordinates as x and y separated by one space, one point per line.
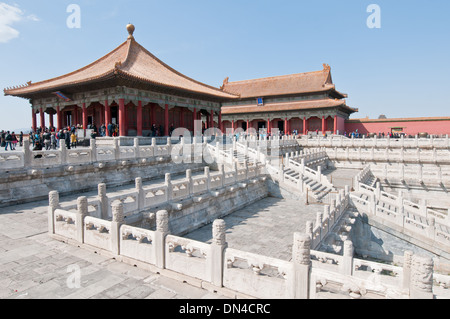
62 96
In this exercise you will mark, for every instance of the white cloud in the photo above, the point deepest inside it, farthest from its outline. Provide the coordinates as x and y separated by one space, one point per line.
9 15
33 17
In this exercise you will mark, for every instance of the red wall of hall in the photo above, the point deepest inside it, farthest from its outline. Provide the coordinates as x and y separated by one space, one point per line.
435 127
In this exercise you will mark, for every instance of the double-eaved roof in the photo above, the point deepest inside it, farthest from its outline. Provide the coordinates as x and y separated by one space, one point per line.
293 84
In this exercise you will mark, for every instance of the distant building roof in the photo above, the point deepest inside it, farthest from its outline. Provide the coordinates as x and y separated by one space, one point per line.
310 82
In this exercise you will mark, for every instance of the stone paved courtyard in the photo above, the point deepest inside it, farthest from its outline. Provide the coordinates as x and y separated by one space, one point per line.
33 265
266 227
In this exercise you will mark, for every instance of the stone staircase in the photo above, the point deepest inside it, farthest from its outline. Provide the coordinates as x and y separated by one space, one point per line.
242 158
334 242
317 189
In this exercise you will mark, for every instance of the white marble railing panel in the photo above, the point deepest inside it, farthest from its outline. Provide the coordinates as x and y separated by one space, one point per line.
97 233
138 243
129 199
180 189
45 158
11 160
199 184
257 275
188 257
216 180
154 195
78 156
65 224
106 154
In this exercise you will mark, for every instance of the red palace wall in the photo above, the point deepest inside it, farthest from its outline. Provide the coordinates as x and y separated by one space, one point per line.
435 126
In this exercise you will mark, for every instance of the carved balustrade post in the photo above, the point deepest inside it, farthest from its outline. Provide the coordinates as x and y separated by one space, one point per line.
116 148
189 181
82 212
347 265
63 152
218 246
301 259
162 230
93 149
421 286
53 199
208 178
116 223
26 153
169 188
406 279
137 153
141 194
103 199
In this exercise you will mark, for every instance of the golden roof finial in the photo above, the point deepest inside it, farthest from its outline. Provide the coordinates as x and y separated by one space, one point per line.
130 29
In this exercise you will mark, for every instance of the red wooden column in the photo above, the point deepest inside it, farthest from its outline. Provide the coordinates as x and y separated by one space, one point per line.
335 124
107 113
182 117
42 115
85 117
232 126
211 117
248 125
152 115
195 120
269 129
166 120
122 118
139 118
75 116
323 125
51 119
305 124
33 120
58 119
286 126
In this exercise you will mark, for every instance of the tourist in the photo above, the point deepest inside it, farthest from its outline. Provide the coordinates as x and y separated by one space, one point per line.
73 140
67 138
59 138
14 140
37 147
21 139
47 140
53 140
3 142
8 141
103 130
110 129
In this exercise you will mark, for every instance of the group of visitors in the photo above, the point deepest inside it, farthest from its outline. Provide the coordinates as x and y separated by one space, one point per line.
10 139
356 134
50 139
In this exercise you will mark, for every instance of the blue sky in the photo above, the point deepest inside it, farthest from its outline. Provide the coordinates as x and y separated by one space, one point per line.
400 69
